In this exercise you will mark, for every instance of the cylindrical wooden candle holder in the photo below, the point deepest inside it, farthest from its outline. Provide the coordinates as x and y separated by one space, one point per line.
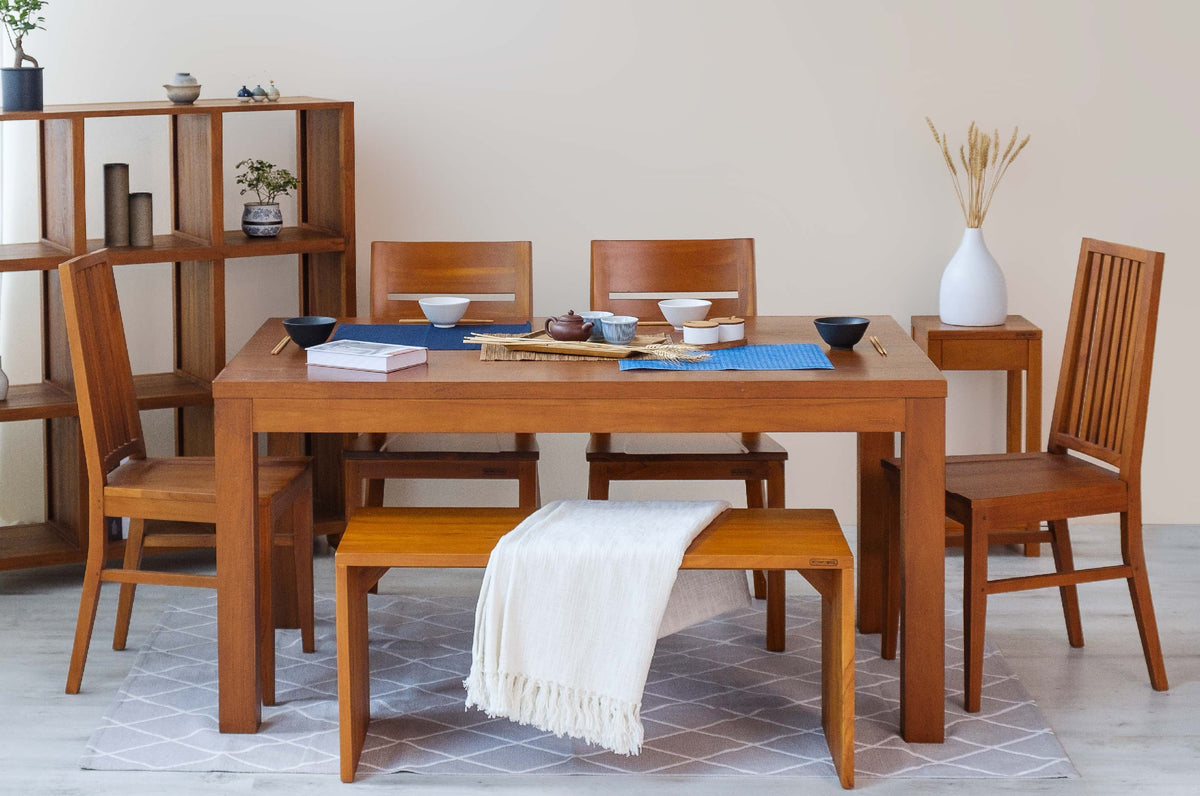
116 204
141 219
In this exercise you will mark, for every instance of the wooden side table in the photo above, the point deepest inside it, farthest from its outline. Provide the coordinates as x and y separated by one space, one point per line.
1014 347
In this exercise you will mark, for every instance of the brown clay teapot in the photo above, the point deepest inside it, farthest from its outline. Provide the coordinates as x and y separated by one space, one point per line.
569 327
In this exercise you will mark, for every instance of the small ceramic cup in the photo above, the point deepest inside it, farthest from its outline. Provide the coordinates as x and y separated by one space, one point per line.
595 317
619 329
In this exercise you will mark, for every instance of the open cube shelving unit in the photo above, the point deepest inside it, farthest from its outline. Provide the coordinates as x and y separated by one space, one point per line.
196 249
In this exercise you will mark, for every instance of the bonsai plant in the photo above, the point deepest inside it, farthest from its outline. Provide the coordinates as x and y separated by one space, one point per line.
262 219
22 85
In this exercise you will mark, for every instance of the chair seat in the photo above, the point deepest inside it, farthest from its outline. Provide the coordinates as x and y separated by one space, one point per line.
447 446
666 447
1011 489
192 479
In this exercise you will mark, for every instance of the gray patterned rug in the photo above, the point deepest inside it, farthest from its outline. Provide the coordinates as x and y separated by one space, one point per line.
715 704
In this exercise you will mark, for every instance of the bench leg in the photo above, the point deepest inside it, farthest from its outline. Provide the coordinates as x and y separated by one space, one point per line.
776 611
836 587
353 662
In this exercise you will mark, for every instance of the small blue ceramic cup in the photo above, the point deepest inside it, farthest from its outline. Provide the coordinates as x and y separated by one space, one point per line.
597 327
619 329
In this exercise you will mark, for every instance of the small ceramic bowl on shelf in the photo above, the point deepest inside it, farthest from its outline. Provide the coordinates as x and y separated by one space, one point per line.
841 331
309 330
444 311
182 95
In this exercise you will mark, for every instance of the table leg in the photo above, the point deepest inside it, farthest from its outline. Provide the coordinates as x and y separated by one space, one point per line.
238 622
923 585
872 541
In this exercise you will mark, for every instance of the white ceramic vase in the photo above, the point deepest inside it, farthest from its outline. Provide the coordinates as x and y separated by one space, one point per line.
3 384
973 292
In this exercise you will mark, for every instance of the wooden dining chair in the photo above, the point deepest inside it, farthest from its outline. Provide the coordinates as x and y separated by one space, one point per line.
122 481
630 277
1100 414
498 278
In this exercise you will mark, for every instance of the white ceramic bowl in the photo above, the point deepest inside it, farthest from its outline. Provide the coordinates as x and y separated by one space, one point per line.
679 311
444 311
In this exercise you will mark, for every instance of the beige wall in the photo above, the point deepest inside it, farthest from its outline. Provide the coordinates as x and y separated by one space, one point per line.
797 123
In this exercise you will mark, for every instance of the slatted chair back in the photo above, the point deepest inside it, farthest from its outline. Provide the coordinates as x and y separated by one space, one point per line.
496 275
108 413
630 277
1104 384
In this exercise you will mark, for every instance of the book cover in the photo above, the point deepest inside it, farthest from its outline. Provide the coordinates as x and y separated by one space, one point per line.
362 355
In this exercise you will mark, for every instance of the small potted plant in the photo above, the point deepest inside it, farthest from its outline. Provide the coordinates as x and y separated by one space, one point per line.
22 85
262 219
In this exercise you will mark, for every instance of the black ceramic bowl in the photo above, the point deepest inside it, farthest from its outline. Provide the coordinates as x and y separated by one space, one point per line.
841 331
308 330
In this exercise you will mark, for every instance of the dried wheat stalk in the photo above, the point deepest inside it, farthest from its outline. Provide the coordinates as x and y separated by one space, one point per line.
983 165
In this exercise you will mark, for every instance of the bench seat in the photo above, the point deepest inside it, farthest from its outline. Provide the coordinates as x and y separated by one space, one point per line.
807 540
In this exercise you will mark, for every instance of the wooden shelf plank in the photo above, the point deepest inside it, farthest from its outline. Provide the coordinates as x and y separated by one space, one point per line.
36 545
168 390
173 247
154 391
166 108
290 240
41 256
37 402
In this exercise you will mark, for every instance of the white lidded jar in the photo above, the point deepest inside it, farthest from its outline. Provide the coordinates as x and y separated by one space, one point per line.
700 332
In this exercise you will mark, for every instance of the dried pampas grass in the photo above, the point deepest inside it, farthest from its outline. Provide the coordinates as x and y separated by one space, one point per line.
983 164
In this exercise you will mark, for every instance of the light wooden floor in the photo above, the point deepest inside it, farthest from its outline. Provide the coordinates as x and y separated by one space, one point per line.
1122 736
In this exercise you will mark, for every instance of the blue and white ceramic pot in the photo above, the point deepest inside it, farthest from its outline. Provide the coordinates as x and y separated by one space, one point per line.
262 219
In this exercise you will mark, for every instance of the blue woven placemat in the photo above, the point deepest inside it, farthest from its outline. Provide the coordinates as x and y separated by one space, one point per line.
785 356
423 334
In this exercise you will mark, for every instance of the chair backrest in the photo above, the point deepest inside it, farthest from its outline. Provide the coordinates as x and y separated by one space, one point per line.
721 271
496 275
1104 384
108 413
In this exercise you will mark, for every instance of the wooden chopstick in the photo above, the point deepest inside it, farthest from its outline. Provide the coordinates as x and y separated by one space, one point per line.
461 321
282 344
655 323
878 346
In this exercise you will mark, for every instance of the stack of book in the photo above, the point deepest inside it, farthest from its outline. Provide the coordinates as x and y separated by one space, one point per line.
361 355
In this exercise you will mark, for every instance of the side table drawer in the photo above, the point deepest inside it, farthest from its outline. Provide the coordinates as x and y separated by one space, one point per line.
984 355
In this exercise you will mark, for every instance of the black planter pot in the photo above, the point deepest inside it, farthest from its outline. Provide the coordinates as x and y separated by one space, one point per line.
22 89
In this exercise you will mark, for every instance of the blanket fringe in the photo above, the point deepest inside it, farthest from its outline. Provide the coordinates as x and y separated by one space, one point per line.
595 718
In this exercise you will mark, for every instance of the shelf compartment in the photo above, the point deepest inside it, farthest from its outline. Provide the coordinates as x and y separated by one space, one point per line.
41 256
290 240
36 545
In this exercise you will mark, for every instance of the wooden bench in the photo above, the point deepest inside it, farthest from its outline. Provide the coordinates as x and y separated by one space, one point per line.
807 540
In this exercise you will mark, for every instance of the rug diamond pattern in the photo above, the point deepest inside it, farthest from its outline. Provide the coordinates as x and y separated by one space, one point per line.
715 703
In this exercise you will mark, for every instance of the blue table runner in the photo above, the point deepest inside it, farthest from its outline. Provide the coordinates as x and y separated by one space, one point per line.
785 356
425 335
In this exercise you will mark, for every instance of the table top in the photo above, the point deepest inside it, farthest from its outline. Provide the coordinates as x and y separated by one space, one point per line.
861 373
1014 327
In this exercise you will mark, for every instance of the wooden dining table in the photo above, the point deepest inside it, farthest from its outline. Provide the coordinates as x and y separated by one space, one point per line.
868 393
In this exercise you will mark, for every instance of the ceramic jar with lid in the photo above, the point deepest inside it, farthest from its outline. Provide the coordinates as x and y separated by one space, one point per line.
700 332
731 328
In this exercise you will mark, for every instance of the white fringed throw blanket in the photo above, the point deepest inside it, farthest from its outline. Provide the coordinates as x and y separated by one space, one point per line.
572 602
